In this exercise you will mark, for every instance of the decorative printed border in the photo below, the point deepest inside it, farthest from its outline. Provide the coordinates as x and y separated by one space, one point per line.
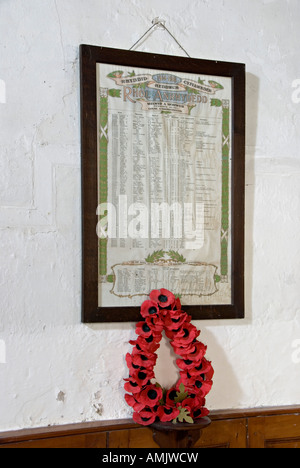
225 190
102 174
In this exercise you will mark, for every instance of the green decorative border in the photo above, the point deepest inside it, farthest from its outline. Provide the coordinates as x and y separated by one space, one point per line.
102 174
225 190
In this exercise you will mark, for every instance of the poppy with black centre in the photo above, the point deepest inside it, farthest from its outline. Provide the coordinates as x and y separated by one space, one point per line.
149 309
135 361
174 320
151 395
155 323
142 377
146 329
142 345
199 412
204 368
132 386
133 402
187 364
195 406
195 383
162 297
145 417
184 336
167 413
171 395
193 352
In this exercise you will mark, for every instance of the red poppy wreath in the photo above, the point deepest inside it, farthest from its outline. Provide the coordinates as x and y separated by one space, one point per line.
186 400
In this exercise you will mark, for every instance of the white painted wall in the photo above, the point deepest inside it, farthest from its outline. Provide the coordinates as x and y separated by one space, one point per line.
55 370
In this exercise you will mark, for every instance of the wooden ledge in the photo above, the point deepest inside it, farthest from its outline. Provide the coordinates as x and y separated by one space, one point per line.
49 432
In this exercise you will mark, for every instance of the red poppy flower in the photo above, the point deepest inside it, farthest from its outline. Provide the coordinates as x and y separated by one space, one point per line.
170 396
140 359
142 329
203 387
145 417
187 379
149 345
131 386
198 377
146 329
163 298
151 395
149 308
194 352
187 364
195 405
204 368
194 401
200 412
186 335
177 304
188 403
131 366
142 376
167 413
155 323
196 384
174 320
131 401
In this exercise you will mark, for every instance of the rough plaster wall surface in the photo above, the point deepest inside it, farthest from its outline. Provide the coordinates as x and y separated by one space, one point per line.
55 370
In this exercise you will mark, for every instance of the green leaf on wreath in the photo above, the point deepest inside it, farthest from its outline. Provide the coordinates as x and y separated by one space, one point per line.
184 416
181 395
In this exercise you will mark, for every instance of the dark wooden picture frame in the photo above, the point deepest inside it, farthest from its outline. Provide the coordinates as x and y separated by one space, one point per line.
90 56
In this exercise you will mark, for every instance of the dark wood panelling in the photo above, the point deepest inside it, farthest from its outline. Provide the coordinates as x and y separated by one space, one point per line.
280 431
252 428
131 438
96 440
224 434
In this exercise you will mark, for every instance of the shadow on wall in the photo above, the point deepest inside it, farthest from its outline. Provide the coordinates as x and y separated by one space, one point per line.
226 392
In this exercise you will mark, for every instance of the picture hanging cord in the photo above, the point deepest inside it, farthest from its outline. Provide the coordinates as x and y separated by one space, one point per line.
159 22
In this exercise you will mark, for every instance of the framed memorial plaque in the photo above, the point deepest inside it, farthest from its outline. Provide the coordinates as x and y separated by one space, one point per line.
163 177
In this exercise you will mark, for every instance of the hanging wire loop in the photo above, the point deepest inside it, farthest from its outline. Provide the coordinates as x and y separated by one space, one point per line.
156 23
